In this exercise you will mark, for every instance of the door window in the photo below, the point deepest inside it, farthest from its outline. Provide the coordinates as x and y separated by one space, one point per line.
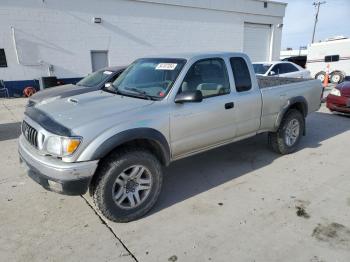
209 76
284 68
289 68
241 74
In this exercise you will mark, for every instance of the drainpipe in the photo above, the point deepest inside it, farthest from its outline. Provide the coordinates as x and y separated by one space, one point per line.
50 68
16 50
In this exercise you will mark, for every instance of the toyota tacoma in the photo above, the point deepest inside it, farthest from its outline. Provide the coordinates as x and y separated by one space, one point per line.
115 142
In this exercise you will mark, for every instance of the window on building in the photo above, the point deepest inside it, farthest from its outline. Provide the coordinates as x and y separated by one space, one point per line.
241 74
331 58
209 76
3 62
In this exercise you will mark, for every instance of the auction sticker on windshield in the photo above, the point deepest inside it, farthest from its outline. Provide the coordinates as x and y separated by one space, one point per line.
107 72
166 66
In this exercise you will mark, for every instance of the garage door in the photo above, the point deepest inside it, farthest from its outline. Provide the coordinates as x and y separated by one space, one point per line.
257 38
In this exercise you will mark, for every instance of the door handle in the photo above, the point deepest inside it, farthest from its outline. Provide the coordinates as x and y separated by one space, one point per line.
229 105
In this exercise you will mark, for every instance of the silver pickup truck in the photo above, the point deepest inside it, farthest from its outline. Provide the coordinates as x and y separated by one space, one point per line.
114 142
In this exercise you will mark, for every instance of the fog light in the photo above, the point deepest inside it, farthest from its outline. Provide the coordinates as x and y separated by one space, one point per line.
55 186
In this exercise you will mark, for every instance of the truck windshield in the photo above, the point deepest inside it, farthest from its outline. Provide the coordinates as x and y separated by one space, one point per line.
95 78
150 77
261 68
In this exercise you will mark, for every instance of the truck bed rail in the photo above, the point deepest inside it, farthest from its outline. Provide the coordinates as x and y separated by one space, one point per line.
270 81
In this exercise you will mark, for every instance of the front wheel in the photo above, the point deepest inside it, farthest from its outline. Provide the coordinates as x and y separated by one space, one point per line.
128 184
287 137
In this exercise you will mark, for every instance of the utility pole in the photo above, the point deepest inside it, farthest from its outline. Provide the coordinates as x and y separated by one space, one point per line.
317 6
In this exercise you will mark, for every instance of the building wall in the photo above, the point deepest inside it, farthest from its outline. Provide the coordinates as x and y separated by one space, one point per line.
62 34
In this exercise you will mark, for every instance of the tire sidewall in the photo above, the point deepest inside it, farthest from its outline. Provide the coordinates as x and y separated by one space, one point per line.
111 174
293 114
336 74
320 74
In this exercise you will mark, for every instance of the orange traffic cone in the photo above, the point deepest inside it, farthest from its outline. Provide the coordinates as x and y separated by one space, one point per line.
326 78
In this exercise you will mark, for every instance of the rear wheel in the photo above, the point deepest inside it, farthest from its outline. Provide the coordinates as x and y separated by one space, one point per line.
321 76
128 184
286 139
337 77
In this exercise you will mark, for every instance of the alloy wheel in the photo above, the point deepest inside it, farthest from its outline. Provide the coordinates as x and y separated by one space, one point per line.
292 132
132 187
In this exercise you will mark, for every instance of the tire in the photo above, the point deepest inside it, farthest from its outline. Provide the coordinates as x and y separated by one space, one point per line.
278 141
109 186
337 77
321 76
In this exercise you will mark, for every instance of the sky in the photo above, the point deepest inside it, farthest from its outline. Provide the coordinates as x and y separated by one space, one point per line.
333 20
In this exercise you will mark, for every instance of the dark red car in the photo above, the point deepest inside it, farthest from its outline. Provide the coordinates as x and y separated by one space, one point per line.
339 98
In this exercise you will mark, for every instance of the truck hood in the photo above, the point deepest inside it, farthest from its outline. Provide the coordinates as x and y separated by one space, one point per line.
78 111
54 93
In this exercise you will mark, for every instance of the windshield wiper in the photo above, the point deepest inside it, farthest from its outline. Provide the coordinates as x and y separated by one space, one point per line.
143 93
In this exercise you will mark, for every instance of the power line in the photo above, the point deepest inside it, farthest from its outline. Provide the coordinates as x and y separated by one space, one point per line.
317 6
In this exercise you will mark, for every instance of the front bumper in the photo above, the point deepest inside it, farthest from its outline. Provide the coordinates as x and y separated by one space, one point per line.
54 174
338 103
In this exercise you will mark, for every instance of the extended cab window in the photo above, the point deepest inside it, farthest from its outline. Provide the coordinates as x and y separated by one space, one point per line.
241 74
209 76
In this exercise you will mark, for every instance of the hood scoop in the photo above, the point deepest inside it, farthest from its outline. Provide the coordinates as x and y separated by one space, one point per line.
73 100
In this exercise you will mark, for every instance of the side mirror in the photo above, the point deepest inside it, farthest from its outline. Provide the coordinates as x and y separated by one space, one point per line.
189 96
108 85
272 73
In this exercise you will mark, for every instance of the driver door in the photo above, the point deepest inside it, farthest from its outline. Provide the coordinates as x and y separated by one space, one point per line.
197 126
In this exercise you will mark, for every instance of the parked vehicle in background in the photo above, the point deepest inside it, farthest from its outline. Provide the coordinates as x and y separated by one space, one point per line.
95 81
281 69
335 53
298 60
338 99
160 109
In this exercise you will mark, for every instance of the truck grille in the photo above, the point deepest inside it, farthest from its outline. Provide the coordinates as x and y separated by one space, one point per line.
30 134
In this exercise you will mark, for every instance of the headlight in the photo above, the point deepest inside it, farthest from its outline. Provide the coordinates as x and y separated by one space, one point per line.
335 92
62 146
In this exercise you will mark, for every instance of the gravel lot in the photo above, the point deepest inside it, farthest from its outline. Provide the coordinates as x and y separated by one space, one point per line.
241 202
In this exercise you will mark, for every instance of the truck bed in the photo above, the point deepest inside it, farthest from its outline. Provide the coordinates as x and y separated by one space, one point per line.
276 93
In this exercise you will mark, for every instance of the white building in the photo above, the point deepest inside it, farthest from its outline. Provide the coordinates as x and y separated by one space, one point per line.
64 38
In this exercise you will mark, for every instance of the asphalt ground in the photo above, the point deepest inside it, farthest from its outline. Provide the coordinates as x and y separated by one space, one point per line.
241 202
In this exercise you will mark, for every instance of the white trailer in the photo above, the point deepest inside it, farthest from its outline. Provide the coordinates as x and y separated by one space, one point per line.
335 54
